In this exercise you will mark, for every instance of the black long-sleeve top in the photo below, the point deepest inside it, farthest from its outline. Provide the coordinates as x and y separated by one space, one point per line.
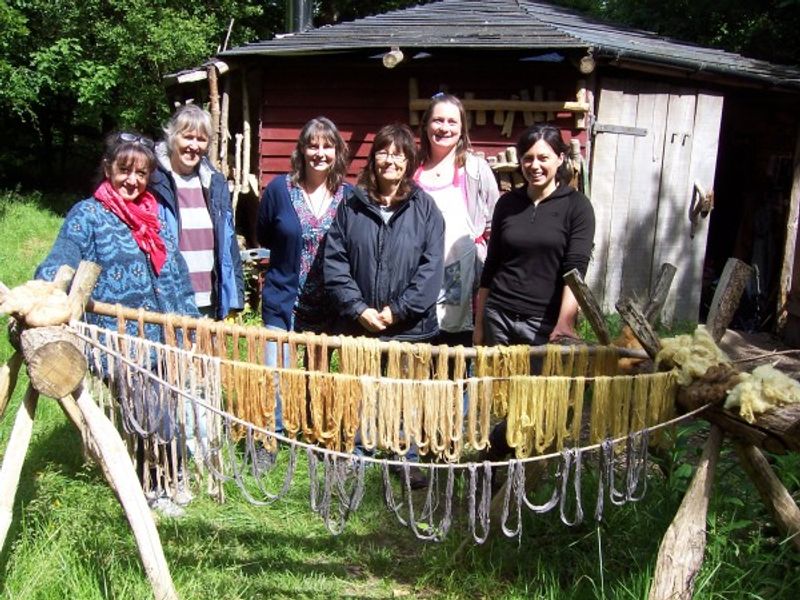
532 247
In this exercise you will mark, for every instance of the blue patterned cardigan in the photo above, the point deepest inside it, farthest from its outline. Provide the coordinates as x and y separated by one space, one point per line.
91 232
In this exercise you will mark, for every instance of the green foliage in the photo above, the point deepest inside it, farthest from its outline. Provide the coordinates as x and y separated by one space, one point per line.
765 30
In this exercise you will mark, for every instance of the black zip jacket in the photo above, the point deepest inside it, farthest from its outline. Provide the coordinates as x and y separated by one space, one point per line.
531 249
399 264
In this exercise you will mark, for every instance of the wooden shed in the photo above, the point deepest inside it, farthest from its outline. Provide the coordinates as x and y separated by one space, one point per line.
668 130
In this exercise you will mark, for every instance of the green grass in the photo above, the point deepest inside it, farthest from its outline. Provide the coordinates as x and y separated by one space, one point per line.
69 538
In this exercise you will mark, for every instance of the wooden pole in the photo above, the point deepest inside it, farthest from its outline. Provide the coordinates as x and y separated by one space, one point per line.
790 246
213 97
681 552
732 282
640 326
225 132
660 291
589 305
112 456
117 466
244 175
8 380
113 310
773 493
14 457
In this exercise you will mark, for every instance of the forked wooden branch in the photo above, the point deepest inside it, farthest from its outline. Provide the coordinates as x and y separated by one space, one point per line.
681 552
589 305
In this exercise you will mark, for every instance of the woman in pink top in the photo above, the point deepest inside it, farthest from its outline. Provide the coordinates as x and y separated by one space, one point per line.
465 190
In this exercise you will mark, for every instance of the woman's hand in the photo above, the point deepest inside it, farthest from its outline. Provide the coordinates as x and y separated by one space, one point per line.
562 330
386 316
371 320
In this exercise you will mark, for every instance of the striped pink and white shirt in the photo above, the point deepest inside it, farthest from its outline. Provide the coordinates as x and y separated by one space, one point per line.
196 237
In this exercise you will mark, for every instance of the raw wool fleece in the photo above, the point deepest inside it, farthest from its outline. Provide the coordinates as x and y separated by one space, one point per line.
762 390
691 354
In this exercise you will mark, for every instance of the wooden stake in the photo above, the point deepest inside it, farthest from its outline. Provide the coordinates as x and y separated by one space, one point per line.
225 132
681 552
237 172
82 285
640 327
538 96
527 116
118 468
589 305
664 281
775 496
14 457
244 179
729 290
8 380
213 97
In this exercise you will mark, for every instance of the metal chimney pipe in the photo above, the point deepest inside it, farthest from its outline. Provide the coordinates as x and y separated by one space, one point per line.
299 15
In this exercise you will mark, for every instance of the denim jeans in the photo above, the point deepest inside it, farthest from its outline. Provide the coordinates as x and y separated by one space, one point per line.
271 360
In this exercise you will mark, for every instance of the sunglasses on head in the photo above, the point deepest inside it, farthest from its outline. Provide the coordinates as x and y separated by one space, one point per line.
132 138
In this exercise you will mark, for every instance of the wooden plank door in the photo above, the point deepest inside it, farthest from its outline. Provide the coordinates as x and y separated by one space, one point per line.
641 191
690 156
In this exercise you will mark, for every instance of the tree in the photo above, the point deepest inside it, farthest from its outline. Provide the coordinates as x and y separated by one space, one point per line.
764 29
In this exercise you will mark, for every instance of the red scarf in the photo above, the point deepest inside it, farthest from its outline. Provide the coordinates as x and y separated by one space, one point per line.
141 217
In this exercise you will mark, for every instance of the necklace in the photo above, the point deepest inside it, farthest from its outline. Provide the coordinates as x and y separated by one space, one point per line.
318 200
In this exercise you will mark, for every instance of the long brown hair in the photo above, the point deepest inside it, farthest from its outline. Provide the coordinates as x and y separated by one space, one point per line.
403 139
320 127
463 145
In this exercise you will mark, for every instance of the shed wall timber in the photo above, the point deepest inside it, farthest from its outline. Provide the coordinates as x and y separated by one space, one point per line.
362 96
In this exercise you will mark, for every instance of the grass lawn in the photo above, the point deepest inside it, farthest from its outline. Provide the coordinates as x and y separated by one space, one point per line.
69 537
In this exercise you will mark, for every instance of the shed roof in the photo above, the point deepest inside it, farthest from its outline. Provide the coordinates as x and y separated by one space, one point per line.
515 24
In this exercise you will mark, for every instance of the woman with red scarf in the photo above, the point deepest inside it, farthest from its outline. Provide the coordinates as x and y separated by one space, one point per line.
122 229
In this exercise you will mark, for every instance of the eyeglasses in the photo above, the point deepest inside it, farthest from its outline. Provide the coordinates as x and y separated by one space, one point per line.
384 156
132 138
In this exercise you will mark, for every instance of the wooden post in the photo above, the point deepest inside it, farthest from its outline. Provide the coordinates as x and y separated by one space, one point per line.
640 327
663 282
237 172
538 96
589 305
775 496
508 123
244 174
225 131
213 97
729 290
118 468
8 380
681 552
82 285
112 456
790 246
14 457
527 116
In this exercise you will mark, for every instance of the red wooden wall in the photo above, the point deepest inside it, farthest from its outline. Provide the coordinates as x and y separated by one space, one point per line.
360 96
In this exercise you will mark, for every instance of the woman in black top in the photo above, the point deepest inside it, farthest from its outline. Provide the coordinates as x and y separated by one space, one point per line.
539 233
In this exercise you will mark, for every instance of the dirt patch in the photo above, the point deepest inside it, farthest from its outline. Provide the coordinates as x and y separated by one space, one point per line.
750 350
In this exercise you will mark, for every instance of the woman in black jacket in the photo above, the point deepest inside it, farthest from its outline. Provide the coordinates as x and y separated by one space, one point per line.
384 253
